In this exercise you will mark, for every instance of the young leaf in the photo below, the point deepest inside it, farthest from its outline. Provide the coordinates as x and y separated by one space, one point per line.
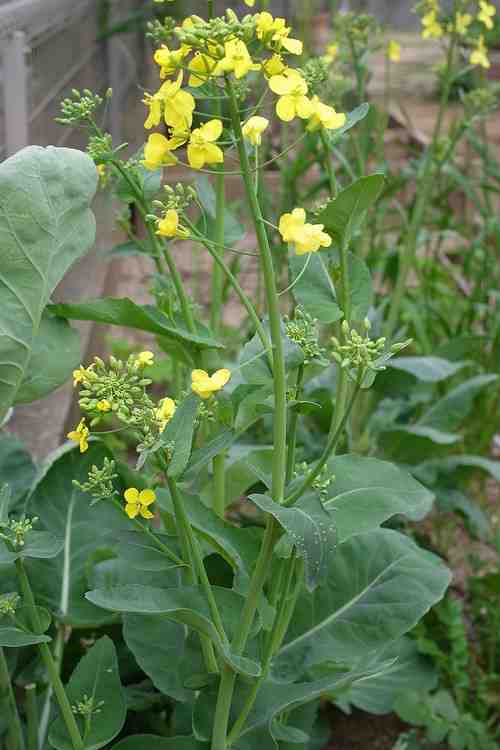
448 413
343 215
311 529
12 637
96 680
427 369
17 469
315 290
179 432
353 118
202 456
45 226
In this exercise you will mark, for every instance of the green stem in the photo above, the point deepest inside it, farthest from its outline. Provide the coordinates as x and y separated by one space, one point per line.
424 196
293 426
219 236
8 703
332 180
228 677
330 447
190 541
48 660
219 484
157 542
279 379
32 716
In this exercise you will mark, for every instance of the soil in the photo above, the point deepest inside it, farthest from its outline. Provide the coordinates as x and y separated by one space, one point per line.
361 731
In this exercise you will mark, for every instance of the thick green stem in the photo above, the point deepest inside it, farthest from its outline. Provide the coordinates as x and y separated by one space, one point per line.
48 660
32 716
219 236
9 706
228 677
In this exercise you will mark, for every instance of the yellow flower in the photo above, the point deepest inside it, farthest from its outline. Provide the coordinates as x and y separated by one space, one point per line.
250 3
165 412
307 238
205 385
271 29
144 359
273 66
139 502
80 435
292 90
323 116
432 27
178 105
237 59
83 374
486 13
479 56
201 148
170 60
169 226
462 23
158 151
394 51
253 129
103 405
154 102
332 52
201 68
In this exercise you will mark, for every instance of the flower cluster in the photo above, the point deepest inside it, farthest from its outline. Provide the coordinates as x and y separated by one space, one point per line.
14 532
303 331
8 604
209 52
306 238
361 354
99 482
436 22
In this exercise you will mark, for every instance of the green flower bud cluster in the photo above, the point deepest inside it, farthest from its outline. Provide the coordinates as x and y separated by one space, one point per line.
87 706
178 197
322 482
202 34
481 102
81 107
118 388
100 147
100 481
316 72
361 29
8 604
160 32
15 532
303 330
362 354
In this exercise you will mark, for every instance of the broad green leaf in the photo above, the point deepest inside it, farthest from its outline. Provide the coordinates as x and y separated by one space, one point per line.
239 547
311 530
153 742
124 312
380 585
183 605
427 369
179 433
96 677
315 290
410 671
428 471
159 646
448 413
343 215
41 545
366 492
453 501
45 226
12 637
17 469
54 356
258 370
60 584
431 433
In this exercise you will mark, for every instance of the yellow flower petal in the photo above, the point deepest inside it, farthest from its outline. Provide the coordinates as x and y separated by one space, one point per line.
132 510
145 513
221 377
294 46
131 495
211 130
285 108
147 497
